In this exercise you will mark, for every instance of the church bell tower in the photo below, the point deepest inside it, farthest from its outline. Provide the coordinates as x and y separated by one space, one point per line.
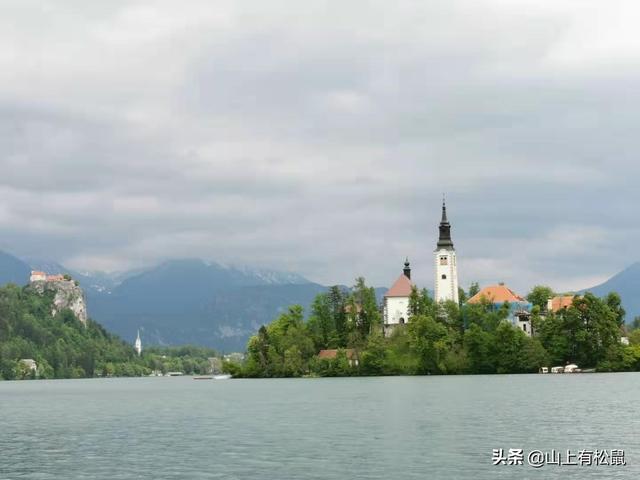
446 282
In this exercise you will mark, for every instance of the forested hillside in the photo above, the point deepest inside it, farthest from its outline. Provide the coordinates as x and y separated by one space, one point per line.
63 347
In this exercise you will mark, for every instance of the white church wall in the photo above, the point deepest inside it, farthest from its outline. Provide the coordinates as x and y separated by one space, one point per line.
396 308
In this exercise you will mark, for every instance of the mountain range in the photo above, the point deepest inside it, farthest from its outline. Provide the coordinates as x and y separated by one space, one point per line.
211 304
627 284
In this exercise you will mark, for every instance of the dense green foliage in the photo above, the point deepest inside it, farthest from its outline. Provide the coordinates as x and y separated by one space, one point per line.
441 338
61 346
188 359
65 348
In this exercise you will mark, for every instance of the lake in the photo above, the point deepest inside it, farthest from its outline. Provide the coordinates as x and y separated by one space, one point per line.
327 428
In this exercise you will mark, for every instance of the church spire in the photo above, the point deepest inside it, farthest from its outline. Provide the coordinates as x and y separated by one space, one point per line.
138 344
444 211
444 240
407 269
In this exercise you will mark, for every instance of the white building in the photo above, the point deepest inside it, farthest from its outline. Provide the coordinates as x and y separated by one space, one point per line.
31 364
138 344
396 301
446 281
37 276
519 307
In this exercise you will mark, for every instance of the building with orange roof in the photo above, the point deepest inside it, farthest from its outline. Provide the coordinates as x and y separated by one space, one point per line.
498 295
55 278
332 354
37 276
395 308
559 302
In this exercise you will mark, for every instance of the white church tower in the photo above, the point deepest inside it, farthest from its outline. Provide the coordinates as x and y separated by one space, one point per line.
446 283
138 344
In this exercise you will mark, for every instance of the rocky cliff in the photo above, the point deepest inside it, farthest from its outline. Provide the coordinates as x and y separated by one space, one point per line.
66 295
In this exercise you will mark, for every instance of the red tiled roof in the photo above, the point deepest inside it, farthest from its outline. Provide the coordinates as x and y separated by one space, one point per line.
402 287
333 353
496 294
560 302
37 272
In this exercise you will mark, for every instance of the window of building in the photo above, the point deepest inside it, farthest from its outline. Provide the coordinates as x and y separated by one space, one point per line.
443 260
401 321
444 277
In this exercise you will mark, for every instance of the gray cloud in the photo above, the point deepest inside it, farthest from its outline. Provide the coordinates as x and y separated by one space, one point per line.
319 137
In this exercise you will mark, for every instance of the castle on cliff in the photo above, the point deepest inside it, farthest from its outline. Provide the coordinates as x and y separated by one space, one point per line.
67 293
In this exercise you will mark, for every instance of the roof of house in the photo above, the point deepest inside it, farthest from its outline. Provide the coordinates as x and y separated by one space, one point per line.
401 288
333 353
496 294
559 302
37 272
347 308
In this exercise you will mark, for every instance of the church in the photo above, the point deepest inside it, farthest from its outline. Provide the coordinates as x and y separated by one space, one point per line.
396 300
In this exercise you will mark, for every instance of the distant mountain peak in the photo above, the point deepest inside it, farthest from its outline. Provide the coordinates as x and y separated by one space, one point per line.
627 284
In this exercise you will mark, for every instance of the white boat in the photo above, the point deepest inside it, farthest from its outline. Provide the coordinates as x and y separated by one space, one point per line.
571 368
222 376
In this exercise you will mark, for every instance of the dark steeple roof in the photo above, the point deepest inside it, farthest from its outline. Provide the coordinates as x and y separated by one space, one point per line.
407 269
444 241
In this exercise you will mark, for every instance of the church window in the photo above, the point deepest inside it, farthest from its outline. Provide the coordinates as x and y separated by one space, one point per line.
444 277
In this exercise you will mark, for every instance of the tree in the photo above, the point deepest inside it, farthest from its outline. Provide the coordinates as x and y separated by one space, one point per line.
337 306
367 313
428 340
582 333
373 358
322 321
540 295
474 289
508 344
462 296
477 344
614 302
421 303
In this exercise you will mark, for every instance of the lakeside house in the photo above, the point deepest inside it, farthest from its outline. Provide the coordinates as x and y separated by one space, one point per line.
332 354
519 307
559 302
30 364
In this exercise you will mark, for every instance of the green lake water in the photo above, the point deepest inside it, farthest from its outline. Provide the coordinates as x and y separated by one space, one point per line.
342 428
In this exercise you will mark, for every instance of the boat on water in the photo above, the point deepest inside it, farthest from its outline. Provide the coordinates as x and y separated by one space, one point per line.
204 377
222 376
569 368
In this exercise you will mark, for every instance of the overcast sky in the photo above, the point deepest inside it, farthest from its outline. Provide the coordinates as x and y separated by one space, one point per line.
318 137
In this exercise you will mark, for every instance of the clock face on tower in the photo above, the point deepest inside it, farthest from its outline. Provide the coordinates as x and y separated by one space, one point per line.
443 260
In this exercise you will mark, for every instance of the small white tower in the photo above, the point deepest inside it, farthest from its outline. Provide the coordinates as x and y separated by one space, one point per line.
138 344
446 283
